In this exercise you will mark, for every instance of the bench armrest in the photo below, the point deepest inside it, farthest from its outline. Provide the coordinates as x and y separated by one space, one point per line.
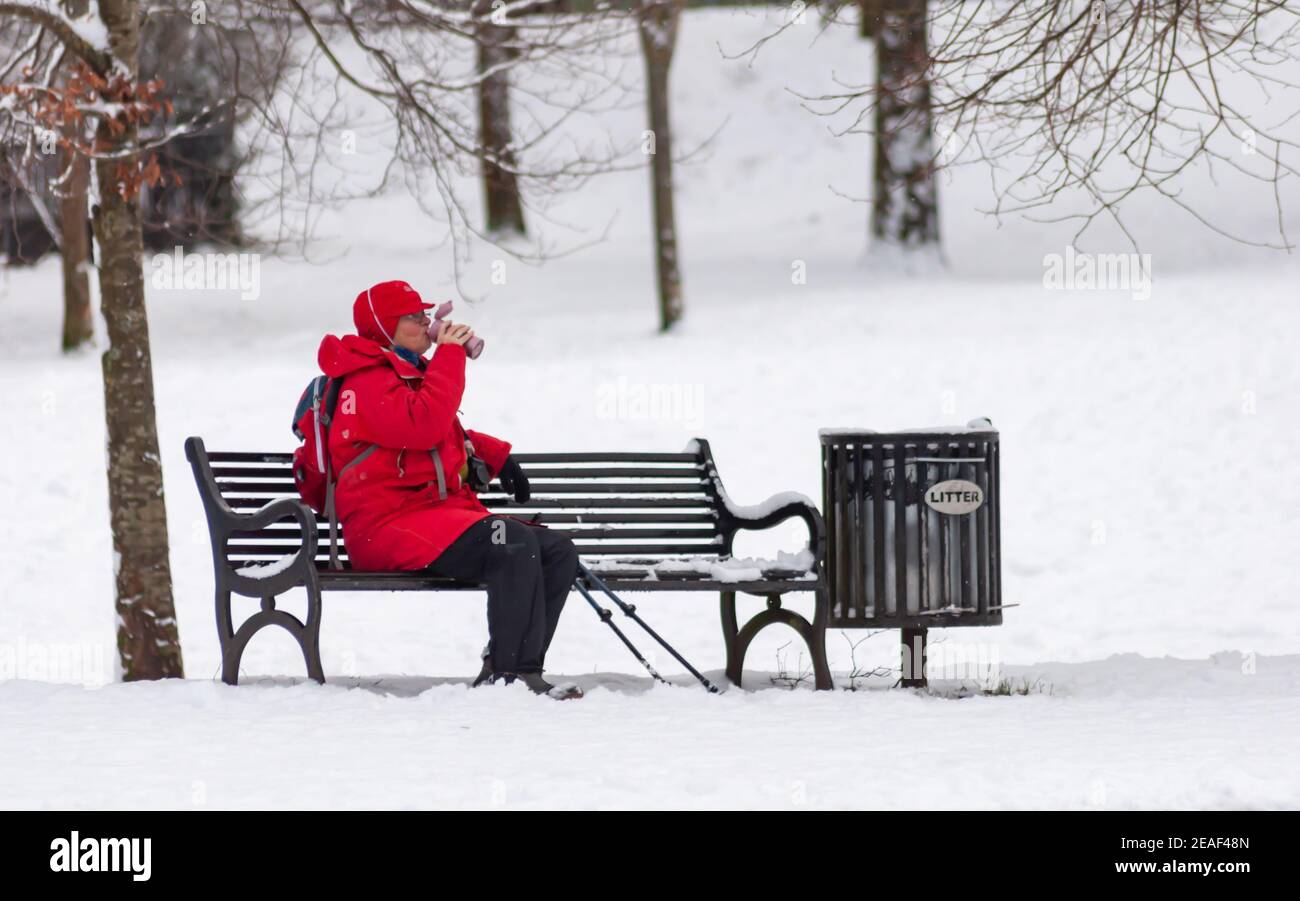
775 510
284 508
297 567
223 521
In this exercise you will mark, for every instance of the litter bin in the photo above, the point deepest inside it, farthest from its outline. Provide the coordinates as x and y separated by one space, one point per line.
913 538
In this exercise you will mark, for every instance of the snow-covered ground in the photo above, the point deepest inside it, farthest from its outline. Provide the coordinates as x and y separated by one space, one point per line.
1148 507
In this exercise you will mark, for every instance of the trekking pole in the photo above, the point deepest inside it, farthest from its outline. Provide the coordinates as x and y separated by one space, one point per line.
630 610
607 617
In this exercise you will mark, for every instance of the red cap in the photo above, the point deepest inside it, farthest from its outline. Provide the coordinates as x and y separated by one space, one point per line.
377 309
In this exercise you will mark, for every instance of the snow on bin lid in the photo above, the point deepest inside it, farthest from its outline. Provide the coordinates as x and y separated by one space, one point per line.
982 424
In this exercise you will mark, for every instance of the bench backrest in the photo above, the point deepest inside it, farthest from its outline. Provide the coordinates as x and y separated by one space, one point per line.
629 504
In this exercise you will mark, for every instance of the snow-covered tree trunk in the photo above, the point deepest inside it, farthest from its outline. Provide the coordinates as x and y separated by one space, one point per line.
657 23
505 209
905 211
147 637
78 317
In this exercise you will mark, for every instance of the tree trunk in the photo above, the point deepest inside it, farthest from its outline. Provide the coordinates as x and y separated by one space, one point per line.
78 321
505 209
147 638
869 17
906 208
657 23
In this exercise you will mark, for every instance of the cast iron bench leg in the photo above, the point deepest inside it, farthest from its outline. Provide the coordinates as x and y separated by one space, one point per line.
729 630
306 634
813 634
817 645
226 637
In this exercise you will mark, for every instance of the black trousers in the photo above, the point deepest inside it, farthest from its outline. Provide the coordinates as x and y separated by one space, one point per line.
529 571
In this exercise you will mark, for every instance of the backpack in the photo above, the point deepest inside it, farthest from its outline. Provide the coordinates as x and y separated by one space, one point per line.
313 474
311 422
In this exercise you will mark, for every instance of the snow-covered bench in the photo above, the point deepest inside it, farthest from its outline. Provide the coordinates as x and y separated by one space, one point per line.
641 522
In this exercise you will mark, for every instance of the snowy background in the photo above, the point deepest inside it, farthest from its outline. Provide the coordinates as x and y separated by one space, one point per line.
1148 509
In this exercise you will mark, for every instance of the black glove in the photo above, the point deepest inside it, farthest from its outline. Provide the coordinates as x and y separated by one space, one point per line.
513 480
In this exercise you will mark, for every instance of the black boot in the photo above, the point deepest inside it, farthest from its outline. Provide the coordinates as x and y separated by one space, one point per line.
487 674
564 692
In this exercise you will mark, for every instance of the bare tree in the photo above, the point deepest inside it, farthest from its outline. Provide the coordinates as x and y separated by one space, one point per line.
43 208
905 205
196 200
897 113
503 204
1098 100
869 14
101 104
27 224
418 62
657 22
74 252
75 236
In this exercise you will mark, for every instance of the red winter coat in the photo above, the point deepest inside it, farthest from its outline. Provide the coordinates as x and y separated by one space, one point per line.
388 502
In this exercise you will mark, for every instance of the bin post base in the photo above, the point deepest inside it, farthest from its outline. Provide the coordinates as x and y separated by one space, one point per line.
913 657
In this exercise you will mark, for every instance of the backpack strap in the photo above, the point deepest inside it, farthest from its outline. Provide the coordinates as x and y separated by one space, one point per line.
334 525
331 401
330 484
442 478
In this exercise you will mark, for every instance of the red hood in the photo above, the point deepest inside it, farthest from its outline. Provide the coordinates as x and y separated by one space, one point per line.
341 356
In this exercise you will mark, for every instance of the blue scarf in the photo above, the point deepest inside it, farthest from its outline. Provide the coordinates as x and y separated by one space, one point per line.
411 357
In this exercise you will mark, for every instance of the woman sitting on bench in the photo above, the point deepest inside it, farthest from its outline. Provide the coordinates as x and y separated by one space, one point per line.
408 473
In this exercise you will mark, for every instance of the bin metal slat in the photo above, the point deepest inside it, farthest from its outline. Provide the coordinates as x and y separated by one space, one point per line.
964 524
840 487
900 529
856 528
834 528
995 521
982 536
945 555
849 536
878 524
923 538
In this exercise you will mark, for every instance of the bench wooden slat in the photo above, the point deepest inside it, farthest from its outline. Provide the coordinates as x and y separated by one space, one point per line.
250 457
350 581
667 517
524 510
286 487
285 473
253 472
570 503
605 574
238 549
614 472
578 486
603 457
293 532
606 457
